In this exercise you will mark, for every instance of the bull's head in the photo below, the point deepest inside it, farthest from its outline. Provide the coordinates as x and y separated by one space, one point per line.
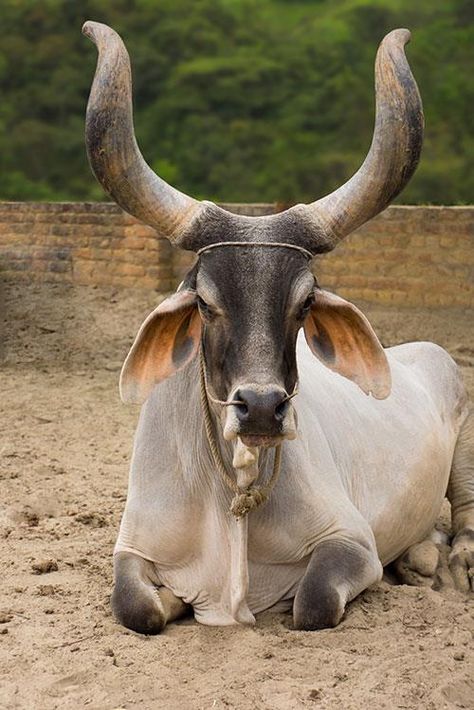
252 289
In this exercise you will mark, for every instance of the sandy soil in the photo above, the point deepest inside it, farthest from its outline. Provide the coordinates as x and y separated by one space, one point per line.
64 449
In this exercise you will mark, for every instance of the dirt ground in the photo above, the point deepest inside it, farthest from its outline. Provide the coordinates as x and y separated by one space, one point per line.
64 450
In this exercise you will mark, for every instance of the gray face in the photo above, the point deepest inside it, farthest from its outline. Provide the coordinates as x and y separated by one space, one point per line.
253 300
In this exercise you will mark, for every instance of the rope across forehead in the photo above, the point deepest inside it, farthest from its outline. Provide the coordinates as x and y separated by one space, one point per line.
302 250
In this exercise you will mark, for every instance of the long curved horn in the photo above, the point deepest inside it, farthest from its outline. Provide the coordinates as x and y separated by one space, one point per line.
393 155
112 149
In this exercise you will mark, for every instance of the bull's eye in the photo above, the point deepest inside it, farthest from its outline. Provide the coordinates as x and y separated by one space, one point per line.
204 309
305 307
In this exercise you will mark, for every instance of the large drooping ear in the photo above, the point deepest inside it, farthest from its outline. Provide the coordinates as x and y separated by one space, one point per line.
166 342
342 338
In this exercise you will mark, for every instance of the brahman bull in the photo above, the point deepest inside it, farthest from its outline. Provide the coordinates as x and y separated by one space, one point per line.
273 470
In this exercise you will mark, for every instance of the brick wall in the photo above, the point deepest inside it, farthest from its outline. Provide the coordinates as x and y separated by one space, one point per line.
84 243
407 256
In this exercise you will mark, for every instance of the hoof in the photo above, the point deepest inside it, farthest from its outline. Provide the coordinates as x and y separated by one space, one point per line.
138 607
337 572
325 613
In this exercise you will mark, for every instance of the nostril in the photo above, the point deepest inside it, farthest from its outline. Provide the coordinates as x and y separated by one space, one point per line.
242 410
281 409
241 406
263 411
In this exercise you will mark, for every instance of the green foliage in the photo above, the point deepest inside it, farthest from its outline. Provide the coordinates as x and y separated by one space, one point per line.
235 100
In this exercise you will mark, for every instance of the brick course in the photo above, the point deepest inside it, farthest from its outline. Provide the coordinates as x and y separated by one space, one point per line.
410 256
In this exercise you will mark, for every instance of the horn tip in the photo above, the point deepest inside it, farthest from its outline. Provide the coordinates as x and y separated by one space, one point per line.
88 28
400 36
96 31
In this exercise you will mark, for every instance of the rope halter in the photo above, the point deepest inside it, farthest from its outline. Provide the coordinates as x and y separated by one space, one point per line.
245 499
252 497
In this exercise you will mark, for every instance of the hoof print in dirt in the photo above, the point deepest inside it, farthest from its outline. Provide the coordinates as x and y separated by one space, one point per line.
93 520
44 567
29 517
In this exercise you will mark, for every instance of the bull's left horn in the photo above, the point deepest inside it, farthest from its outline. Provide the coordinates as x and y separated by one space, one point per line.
113 152
393 155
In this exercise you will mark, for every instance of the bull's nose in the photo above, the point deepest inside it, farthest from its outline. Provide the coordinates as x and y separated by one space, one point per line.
261 412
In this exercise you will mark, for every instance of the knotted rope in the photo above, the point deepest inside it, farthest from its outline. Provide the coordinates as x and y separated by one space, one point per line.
245 499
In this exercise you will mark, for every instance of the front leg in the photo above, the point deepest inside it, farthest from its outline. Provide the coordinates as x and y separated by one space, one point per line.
339 569
138 602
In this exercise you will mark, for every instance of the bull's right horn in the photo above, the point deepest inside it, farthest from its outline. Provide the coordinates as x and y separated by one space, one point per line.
393 155
113 152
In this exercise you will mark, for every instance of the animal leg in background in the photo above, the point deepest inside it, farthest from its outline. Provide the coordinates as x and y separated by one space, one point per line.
461 496
419 565
138 602
340 568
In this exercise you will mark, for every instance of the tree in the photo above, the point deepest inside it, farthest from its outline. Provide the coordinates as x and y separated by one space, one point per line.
234 100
